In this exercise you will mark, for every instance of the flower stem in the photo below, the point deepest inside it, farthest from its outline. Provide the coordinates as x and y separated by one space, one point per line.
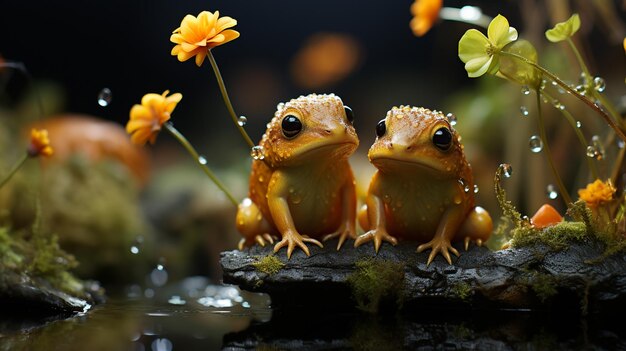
544 139
190 149
475 18
572 91
16 167
229 105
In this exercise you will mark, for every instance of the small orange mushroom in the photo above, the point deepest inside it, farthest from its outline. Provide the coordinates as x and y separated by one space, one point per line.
546 216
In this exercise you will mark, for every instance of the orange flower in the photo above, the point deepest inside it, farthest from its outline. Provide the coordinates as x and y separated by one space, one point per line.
39 143
197 35
425 13
146 119
597 193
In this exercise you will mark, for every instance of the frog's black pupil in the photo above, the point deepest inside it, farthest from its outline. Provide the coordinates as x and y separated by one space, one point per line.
381 128
349 114
291 126
442 138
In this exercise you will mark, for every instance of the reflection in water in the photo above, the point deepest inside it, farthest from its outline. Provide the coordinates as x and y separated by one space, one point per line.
195 315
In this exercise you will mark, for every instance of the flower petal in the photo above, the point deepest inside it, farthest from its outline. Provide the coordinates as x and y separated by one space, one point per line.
473 44
500 33
564 30
478 66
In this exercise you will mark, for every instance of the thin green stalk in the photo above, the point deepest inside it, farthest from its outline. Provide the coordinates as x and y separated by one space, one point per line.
618 165
580 60
581 138
544 139
192 151
229 105
572 91
16 167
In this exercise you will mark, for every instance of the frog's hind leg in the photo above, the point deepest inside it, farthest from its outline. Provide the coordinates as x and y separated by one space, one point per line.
477 227
252 225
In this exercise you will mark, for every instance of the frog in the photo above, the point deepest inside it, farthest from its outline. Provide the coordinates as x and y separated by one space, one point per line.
302 187
423 188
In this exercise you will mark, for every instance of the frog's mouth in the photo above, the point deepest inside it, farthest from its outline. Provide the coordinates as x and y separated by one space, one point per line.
387 162
332 149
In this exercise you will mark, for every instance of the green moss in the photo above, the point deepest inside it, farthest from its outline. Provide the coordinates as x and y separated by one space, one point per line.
377 281
557 237
269 265
543 285
462 290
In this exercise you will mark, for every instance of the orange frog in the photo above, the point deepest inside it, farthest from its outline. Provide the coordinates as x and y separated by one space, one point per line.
423 188
303 188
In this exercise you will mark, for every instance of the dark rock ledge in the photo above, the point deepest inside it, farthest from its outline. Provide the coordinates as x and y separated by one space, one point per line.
576 279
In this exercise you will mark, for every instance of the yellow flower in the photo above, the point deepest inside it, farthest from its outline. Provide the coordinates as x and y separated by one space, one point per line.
597 193
197 35
425 13
564 30
39 143
146 119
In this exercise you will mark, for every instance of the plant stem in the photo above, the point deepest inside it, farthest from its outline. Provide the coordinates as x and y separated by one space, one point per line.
229 105
16 167
572 91
190 149
544 139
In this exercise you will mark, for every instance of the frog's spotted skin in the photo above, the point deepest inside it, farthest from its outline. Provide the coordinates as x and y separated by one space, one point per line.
423 188
303 189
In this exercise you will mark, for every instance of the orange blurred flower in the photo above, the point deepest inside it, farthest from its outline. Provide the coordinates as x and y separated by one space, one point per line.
597 193
425 13
197 35
39 143
146 119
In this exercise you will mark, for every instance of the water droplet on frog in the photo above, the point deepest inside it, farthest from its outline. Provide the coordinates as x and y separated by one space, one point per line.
620 143
598 84
257 153
551 192
476 189
162 344
525 90
176 300
506 169
104 97
135 247
242 120
578 124
202 160
159 275
535 144
523 110
451 118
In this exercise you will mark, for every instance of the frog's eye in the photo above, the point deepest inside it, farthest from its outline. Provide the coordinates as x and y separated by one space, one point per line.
349 114
381 128
442 139
291 126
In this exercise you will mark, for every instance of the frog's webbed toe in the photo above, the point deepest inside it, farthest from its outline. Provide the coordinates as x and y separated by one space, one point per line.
438 245
261 239
376 235
291 240
342 233
467 240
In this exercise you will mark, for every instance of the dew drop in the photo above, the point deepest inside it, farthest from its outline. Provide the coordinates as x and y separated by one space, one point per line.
525 90
620 143
506 169
535 144
159 275
257 152
451 118
134 250
202 160
476 189
591 151
597 145
559 106
578 124
242 120
135 247
598 84
104 97
523 110
551 192
582 80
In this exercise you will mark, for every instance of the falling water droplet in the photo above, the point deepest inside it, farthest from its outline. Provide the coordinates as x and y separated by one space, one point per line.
598 84
506 170
476 189
202 160
104 97
525 90
535 144
257 152
451 118
242 120
551 192
578 124
523 110
135 247
159 275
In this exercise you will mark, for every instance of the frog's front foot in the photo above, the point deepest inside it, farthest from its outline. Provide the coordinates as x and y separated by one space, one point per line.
259 239
291 239
378 235
438 244
344 232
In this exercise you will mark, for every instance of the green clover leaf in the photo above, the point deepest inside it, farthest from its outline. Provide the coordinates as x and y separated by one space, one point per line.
564 30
